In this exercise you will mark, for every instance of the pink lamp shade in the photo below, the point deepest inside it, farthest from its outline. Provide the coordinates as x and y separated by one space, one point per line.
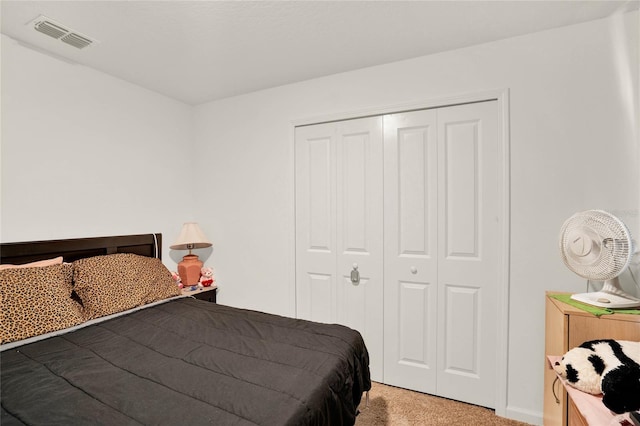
191 237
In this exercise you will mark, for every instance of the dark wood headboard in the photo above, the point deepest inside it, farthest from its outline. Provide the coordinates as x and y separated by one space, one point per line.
77 248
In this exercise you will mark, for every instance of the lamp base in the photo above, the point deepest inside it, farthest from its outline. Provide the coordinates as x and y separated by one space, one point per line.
189 270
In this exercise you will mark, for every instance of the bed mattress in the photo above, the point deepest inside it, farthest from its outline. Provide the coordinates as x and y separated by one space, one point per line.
188 362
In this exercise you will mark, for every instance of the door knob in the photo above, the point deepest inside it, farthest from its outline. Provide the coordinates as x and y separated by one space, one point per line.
355 275
413 270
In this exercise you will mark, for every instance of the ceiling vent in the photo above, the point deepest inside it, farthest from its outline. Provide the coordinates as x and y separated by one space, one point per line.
60 32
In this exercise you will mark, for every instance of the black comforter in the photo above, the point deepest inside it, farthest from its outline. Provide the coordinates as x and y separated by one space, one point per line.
188 362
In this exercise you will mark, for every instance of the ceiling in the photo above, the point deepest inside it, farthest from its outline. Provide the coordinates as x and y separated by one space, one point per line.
198 51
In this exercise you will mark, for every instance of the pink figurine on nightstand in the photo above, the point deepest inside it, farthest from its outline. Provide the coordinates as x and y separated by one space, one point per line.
206 277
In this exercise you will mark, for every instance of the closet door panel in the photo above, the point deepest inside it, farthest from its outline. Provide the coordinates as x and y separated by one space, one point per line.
415 341
461 168
468 247
354 188
359 233
315 297
461 321
413 182
410 224
319 189
315 223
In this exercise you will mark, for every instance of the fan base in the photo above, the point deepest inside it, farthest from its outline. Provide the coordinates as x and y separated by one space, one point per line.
600 298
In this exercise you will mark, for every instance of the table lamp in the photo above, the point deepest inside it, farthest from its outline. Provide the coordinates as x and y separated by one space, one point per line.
191 237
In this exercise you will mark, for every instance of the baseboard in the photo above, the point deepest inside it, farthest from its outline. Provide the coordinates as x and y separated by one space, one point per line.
524 415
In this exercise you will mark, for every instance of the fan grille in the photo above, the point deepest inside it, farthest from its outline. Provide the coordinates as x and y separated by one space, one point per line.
595 245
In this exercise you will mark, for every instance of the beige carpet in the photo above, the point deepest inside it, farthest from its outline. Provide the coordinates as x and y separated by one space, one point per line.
393 406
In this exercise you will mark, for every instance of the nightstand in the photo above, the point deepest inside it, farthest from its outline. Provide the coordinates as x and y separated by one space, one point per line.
567 327
202 293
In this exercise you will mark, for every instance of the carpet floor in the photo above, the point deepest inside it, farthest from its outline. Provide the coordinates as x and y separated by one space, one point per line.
393 406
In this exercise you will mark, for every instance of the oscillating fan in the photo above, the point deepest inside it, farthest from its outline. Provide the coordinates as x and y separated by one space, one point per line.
597 246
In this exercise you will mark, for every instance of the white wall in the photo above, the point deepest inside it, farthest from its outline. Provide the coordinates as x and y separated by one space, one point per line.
85 154
574 146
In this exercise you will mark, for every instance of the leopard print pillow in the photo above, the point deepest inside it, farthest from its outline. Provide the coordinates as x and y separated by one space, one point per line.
117 282
36 301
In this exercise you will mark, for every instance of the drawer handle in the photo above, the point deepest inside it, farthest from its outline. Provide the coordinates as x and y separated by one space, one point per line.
553 389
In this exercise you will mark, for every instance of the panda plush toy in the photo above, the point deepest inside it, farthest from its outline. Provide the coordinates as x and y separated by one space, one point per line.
607 367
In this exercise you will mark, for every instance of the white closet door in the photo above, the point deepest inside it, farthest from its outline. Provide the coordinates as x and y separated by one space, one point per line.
468 251
441 242
410 224
339 228
442 251
315 171
359 225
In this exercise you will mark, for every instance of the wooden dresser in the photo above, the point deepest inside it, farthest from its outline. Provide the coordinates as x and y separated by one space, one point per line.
567 327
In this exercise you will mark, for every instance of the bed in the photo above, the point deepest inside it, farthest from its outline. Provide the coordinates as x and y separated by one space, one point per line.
159 358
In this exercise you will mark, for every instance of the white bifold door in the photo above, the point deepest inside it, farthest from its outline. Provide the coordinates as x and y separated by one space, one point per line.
407 205
339 265
442 250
